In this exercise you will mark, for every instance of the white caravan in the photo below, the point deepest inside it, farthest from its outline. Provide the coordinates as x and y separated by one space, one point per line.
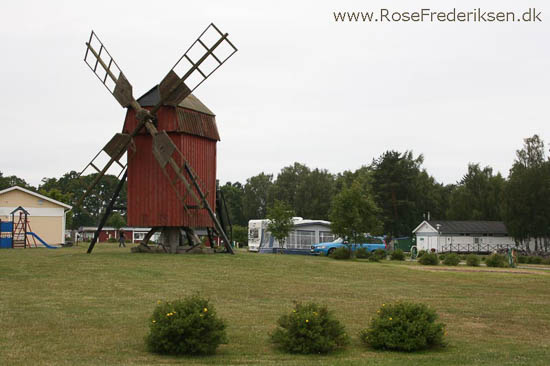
299 241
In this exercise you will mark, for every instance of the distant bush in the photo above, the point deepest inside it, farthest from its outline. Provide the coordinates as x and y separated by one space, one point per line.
309 328
362 253
442 257
397 255
496 260
421 253
404 327
546 260
535 260
472 260
185 327
429 259
341 253
451 259
374 258
523 259
112 240
380 254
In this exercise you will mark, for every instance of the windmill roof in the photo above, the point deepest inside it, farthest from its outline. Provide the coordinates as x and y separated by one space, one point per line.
152 97
473 227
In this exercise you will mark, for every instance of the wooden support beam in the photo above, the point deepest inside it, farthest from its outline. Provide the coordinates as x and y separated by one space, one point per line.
108 211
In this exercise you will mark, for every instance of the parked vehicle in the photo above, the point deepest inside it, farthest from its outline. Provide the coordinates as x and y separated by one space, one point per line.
371 244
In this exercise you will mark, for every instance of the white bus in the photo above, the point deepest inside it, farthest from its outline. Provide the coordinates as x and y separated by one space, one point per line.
299 241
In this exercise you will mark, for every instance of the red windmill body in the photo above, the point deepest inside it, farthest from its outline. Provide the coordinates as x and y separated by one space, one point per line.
170 139
151 199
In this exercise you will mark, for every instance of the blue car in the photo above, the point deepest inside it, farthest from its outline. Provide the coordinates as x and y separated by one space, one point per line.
371 244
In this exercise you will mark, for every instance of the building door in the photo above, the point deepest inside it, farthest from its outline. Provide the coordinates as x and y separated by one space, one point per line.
432 243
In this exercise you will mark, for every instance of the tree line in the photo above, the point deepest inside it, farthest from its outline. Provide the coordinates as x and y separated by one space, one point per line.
394 193
390 195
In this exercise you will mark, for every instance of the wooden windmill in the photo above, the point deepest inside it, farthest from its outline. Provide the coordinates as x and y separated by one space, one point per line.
170 140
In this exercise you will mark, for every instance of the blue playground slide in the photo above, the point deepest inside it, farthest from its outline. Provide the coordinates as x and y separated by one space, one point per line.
41 241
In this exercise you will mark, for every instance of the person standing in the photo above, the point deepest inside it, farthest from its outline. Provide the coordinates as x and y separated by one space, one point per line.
121 239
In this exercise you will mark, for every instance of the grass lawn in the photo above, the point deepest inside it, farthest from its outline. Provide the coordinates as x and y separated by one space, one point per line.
66 307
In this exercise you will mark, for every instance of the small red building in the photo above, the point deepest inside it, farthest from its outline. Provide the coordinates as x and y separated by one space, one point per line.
131 234
152 201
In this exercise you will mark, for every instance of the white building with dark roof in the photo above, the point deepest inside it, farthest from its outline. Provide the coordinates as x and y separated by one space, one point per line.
463 236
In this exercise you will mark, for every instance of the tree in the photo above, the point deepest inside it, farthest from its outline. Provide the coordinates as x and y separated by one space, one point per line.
395 186
526 198
308 191
256 196
314 194
93 205
477 196
354 213
233 194
12 180
280 221
288 180
116 220
240 234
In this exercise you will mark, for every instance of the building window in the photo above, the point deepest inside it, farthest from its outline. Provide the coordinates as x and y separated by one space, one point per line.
326 237
253 234
139 236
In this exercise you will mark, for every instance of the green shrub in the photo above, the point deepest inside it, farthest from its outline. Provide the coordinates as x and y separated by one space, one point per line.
496 260
362 253
472 260
421 253
546 260
397 255
429 259
185 327
309 328
341 253
442 257
535 260
112 240
405 327
523 259
380 254
373 258
451 259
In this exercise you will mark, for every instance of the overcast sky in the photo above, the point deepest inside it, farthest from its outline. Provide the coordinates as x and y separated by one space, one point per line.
301 88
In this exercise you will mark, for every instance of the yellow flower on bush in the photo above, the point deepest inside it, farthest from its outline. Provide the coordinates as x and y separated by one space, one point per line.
154 321
307 320
390 318
205 310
